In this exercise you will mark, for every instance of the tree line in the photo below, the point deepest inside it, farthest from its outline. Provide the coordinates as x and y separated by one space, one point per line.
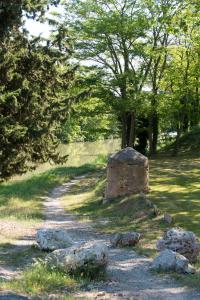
126 67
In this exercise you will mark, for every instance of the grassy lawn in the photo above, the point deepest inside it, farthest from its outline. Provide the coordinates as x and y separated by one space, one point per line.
175 189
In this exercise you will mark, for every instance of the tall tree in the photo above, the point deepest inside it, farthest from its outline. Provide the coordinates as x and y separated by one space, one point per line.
32 103
110 36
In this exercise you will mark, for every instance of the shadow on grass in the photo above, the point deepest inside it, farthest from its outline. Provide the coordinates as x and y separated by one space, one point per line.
19 256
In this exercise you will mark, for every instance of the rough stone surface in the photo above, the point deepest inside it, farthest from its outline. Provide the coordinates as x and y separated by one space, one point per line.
125 239
52 239
127 173
183 242
169 260
79 257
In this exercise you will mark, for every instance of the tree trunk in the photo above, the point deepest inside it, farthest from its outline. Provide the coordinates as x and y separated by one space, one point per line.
124 131
131 133
155 133
128 129
153 124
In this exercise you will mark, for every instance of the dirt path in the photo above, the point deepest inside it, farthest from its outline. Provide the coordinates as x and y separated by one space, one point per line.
128 273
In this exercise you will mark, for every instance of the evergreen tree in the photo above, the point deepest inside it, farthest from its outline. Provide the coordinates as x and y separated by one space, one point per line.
32 103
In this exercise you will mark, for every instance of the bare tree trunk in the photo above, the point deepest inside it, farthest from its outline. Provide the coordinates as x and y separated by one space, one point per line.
132 132
124 131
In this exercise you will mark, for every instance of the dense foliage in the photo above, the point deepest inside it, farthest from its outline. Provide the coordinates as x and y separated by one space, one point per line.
146 55
33 105
137 74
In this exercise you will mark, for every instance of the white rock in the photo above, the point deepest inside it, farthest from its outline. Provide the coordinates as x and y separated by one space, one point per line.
81 257
183 242
169 260
52 239
125 239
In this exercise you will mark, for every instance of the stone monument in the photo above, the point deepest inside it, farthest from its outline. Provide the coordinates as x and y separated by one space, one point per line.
127 173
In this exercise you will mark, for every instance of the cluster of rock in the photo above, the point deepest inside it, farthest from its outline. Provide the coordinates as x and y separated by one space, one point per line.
75 258
87 258
178 249
183 242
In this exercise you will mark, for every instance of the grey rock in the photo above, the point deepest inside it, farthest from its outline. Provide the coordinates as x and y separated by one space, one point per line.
52 239
183 242
125 239
169 260
79 257
127 174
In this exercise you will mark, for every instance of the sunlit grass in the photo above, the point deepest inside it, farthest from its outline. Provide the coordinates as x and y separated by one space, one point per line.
38 281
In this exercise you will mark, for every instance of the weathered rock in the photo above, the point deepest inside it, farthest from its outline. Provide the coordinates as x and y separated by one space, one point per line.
125 239
169 260
87 258
167 218
52 239
127 173
183 242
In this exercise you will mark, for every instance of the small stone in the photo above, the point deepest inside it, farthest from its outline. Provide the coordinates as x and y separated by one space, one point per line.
52 239
125 239
168 218
169 260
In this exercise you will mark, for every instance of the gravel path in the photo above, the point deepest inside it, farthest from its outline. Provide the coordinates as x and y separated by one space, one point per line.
128 273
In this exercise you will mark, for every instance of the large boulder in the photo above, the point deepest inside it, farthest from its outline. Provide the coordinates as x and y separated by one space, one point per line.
125 239
183 242
52 239
85 259
127 174
169 260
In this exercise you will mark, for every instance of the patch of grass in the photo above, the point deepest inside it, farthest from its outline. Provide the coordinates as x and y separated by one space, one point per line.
191 280
39 280
18 256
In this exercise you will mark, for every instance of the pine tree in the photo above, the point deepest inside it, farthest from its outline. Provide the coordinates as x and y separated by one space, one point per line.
32 102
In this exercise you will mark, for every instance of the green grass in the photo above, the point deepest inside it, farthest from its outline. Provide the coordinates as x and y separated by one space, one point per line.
38 280
175 189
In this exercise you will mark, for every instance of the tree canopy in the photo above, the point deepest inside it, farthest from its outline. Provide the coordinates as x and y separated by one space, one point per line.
116 67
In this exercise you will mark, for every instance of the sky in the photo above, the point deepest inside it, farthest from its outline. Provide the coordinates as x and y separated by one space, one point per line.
36 28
